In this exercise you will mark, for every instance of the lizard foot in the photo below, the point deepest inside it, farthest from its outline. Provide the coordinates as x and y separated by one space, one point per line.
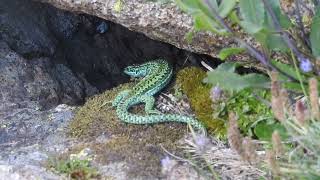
153 111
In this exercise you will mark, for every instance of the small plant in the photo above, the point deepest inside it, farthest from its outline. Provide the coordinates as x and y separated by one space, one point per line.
75 167
213 159
277 38
212 105
289 49
298 155
264 21
301 159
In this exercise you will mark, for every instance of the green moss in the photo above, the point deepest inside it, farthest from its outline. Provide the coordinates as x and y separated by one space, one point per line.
138 145
93 118
190 81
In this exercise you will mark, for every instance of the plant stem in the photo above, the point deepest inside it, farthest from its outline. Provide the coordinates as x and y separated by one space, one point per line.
298 74
254 52
261 57
301 26
278 28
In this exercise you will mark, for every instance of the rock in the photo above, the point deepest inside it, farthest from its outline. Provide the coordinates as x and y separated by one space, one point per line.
38 30
24 37
25 126
29 137
33 29
37 80
160 21
49 57
25 172
31 69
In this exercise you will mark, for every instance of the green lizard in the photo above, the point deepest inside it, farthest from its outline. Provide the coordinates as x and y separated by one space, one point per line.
156 75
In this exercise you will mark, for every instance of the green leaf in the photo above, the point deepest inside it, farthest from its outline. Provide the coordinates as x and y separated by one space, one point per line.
294 86
315 34
283 19
250 27
203 19
276 43
226 52
268 35
231 81
203 22
233 16
252 11
264 131
225 7
227 66
286 68
189 6
270 40
257 22
213 3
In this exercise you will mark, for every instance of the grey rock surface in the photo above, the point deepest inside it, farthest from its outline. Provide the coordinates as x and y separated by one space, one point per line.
24 37
29 137
37 80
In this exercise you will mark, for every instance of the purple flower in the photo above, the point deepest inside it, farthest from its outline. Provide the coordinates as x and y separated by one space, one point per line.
305 65
201 141
165 161
216 93
167 164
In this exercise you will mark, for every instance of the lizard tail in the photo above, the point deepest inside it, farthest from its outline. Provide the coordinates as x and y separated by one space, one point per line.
152 119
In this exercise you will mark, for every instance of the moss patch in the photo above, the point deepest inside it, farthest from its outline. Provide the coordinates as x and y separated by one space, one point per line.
138 145
190 81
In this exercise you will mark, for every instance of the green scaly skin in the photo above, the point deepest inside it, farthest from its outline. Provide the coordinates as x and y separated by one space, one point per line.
156 75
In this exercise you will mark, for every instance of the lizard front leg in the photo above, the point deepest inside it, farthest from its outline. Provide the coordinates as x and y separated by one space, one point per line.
121 95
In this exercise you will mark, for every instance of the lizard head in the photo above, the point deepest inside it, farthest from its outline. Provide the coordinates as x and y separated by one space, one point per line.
144 69
136 71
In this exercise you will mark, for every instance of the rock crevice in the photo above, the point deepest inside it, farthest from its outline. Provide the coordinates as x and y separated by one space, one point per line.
160 21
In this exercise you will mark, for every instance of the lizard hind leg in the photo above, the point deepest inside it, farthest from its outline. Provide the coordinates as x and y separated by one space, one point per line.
122 95
149 104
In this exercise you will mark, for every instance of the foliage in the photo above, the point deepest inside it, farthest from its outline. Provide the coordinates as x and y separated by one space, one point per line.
315 34
203 19
74 168
263 130
262 20
294 42
214 113
211 157
301 159
252 113
235 82
226 52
